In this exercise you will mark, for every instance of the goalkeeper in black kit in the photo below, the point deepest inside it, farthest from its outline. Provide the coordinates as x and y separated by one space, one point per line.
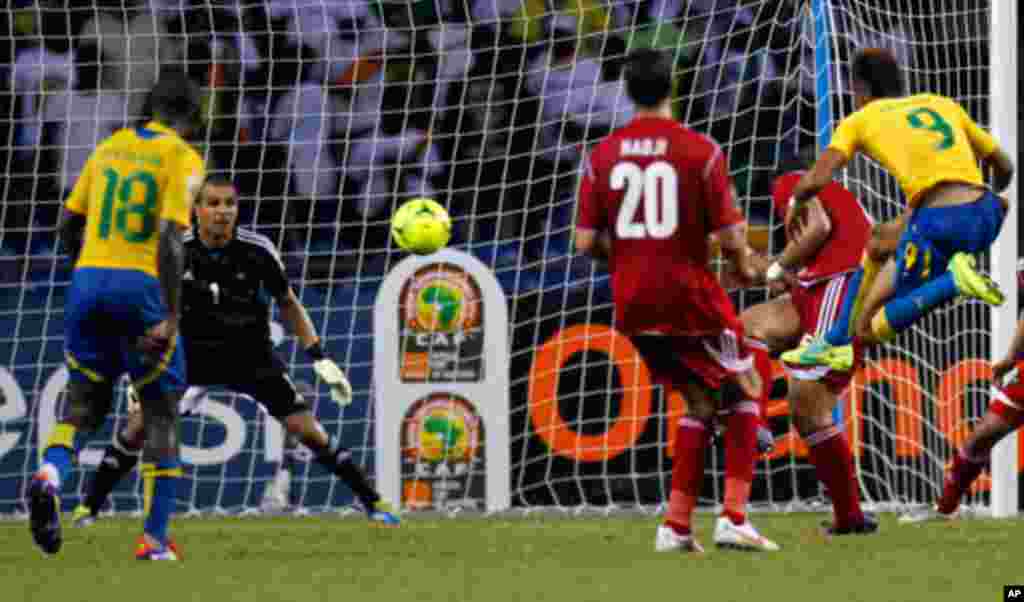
230 275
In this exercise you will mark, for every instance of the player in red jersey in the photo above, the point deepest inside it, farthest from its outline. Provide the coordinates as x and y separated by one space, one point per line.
826 237
1004 416
650 195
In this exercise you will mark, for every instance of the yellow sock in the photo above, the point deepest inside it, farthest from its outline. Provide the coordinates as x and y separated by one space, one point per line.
63 435
871 269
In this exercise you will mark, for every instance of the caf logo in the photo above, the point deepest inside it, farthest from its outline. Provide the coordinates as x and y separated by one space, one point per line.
441 298
441 428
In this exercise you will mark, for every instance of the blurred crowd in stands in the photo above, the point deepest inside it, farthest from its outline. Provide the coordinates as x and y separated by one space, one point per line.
329 113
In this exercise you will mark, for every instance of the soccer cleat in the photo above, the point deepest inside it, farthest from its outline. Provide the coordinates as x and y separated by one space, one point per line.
868 526
972 283
667 540
275 496
147 549
819 353
82 516
926 515
741 537
44 515
383 513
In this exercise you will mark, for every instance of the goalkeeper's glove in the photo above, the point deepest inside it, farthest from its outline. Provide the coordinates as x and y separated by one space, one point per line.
331 374
134 403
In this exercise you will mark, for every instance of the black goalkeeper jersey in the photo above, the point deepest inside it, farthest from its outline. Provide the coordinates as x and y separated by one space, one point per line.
227 294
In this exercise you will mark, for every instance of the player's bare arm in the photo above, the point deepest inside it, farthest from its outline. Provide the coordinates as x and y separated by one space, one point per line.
1002 170
736 250
171 268
72 232
296 318
820 175
810 237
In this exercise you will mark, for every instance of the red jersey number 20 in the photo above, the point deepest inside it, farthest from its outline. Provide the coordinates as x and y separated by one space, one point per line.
657 186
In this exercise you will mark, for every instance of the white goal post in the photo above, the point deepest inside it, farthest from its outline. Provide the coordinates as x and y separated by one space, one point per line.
1004 107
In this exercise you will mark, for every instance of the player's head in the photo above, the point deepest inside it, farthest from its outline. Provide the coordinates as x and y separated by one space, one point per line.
217 206
787 175
649 79
876 74
175 100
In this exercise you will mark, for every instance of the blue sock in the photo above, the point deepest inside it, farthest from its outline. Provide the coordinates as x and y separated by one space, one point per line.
839 334
161 484
902 312
60 457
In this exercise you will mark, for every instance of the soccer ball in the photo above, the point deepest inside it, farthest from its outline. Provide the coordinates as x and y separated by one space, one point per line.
421 226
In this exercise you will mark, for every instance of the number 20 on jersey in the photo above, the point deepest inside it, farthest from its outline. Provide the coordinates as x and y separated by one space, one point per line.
656 188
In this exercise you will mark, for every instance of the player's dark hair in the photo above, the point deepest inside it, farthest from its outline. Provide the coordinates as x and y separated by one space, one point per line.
175 97
215 178
878 69
649 77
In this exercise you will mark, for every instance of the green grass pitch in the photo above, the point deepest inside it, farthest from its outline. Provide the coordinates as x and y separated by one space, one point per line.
531 559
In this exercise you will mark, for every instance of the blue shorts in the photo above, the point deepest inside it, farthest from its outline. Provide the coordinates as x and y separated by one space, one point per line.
107 310
935 234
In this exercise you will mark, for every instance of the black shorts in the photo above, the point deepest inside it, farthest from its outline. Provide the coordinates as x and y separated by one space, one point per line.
260 374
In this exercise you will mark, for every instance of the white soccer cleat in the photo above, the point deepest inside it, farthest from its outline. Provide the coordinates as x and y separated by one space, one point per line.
929 514
668 540
741 537
275 496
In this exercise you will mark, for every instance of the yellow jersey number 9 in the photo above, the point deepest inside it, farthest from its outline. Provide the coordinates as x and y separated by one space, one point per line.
934 123
119 202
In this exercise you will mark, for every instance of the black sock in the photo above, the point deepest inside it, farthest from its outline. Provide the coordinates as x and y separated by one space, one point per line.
118 460
338 460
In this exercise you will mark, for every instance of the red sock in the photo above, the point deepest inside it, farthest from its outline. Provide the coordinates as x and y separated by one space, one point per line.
830 454
958 480
687 473
763 365
740 454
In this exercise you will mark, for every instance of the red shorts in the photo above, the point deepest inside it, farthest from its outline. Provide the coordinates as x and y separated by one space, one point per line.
818 306
1008 396
676 360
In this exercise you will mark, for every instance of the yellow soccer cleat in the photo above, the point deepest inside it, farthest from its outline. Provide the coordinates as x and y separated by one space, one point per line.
972 283
82 516
819 353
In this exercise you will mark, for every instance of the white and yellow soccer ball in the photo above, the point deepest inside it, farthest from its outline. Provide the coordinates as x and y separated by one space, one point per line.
421 226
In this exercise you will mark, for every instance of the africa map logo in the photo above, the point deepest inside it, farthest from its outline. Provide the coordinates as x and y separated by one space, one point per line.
440 318
442 453
441 298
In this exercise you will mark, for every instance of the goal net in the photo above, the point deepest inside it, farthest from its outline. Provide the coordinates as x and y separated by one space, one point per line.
328 115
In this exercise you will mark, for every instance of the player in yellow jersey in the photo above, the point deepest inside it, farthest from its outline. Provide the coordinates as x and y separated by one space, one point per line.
933 149
123 225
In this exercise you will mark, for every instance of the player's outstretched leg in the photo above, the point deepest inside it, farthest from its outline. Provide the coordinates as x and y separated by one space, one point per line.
161 471
330 454
733 528
1001 420
835 348
119 459
88 402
